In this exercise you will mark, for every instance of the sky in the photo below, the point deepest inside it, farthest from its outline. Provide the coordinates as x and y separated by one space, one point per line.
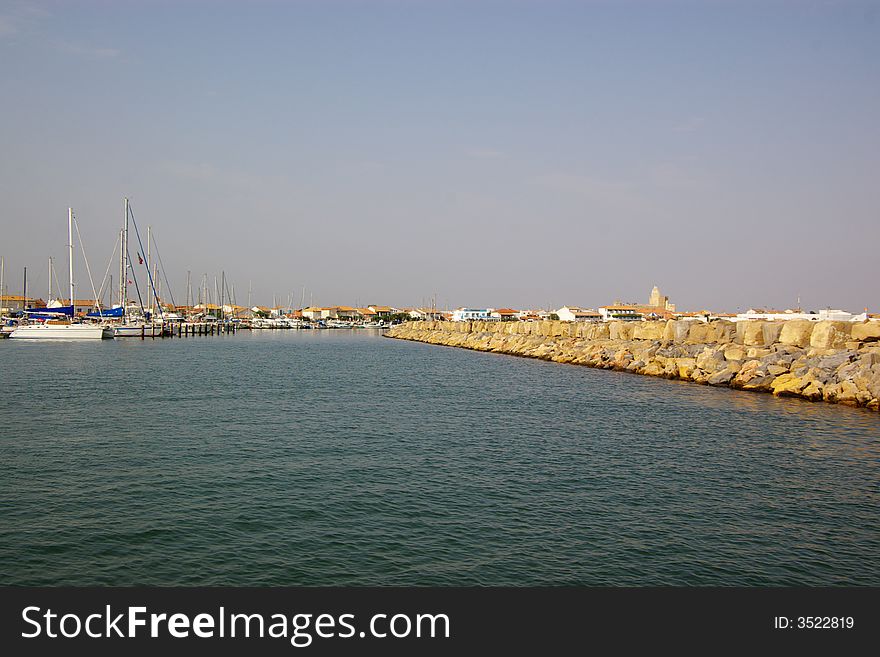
524 154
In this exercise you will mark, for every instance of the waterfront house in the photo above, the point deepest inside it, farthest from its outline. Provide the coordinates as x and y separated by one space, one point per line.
311 313
205 309
577 314
324 312
366 314
619 311
347 313
471 314
13 303
232 311
423 313
504 314
383 311
344 313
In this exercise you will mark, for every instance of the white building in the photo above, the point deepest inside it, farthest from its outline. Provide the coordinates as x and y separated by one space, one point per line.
472 314
827 314
622 312
315 313
504 314
424 313
577 314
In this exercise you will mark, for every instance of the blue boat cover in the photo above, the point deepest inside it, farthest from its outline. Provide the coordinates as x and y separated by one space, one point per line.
109 312
49 313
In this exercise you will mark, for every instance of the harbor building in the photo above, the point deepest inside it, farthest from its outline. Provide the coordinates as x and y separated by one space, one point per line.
578 314
472 314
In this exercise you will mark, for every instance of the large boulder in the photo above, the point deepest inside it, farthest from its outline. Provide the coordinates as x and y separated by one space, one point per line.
621 330
601 331
721 378
771 332
676 330
830 335
654 368
725 331
558 329
734 352
685 367
867 331
752 333
796 332
648 331
701 333
787 384
747 372
711 360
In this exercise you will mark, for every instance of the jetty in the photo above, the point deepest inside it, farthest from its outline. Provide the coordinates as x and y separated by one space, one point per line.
837 362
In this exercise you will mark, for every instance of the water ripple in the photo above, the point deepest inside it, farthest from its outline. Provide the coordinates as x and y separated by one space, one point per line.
339 458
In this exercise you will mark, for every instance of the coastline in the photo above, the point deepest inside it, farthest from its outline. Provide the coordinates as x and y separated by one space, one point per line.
835 362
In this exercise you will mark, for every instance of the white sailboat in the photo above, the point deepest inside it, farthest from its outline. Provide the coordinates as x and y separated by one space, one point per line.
134 323
131 326
61 327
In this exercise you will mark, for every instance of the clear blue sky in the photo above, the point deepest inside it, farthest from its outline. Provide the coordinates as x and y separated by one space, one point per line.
492 153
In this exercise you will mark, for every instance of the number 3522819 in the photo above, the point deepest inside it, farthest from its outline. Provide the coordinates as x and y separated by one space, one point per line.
814 622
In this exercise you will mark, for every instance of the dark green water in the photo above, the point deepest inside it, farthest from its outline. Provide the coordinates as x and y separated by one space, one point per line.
342 458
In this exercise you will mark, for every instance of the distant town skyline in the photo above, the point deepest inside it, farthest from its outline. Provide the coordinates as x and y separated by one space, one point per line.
482 153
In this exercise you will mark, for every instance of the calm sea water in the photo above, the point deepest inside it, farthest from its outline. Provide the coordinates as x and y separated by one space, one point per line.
343 458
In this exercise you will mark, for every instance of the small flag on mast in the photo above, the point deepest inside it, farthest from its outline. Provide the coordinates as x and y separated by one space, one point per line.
140 260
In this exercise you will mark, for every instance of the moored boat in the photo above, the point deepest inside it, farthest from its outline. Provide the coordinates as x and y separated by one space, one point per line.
61 330
56 323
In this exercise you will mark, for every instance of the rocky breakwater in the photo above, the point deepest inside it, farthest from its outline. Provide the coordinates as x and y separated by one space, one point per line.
821 361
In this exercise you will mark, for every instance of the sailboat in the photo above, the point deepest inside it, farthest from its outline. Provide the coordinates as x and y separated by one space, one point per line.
56 322
134 321
132 325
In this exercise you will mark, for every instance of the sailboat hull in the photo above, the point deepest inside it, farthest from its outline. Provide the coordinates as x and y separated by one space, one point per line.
62 332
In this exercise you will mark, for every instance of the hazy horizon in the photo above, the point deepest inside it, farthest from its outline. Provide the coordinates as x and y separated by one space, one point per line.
515 154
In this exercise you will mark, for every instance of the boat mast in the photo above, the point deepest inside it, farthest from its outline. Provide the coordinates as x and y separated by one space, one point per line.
49 295
150 269
120 292
123 259
222 286
2 267
70 254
